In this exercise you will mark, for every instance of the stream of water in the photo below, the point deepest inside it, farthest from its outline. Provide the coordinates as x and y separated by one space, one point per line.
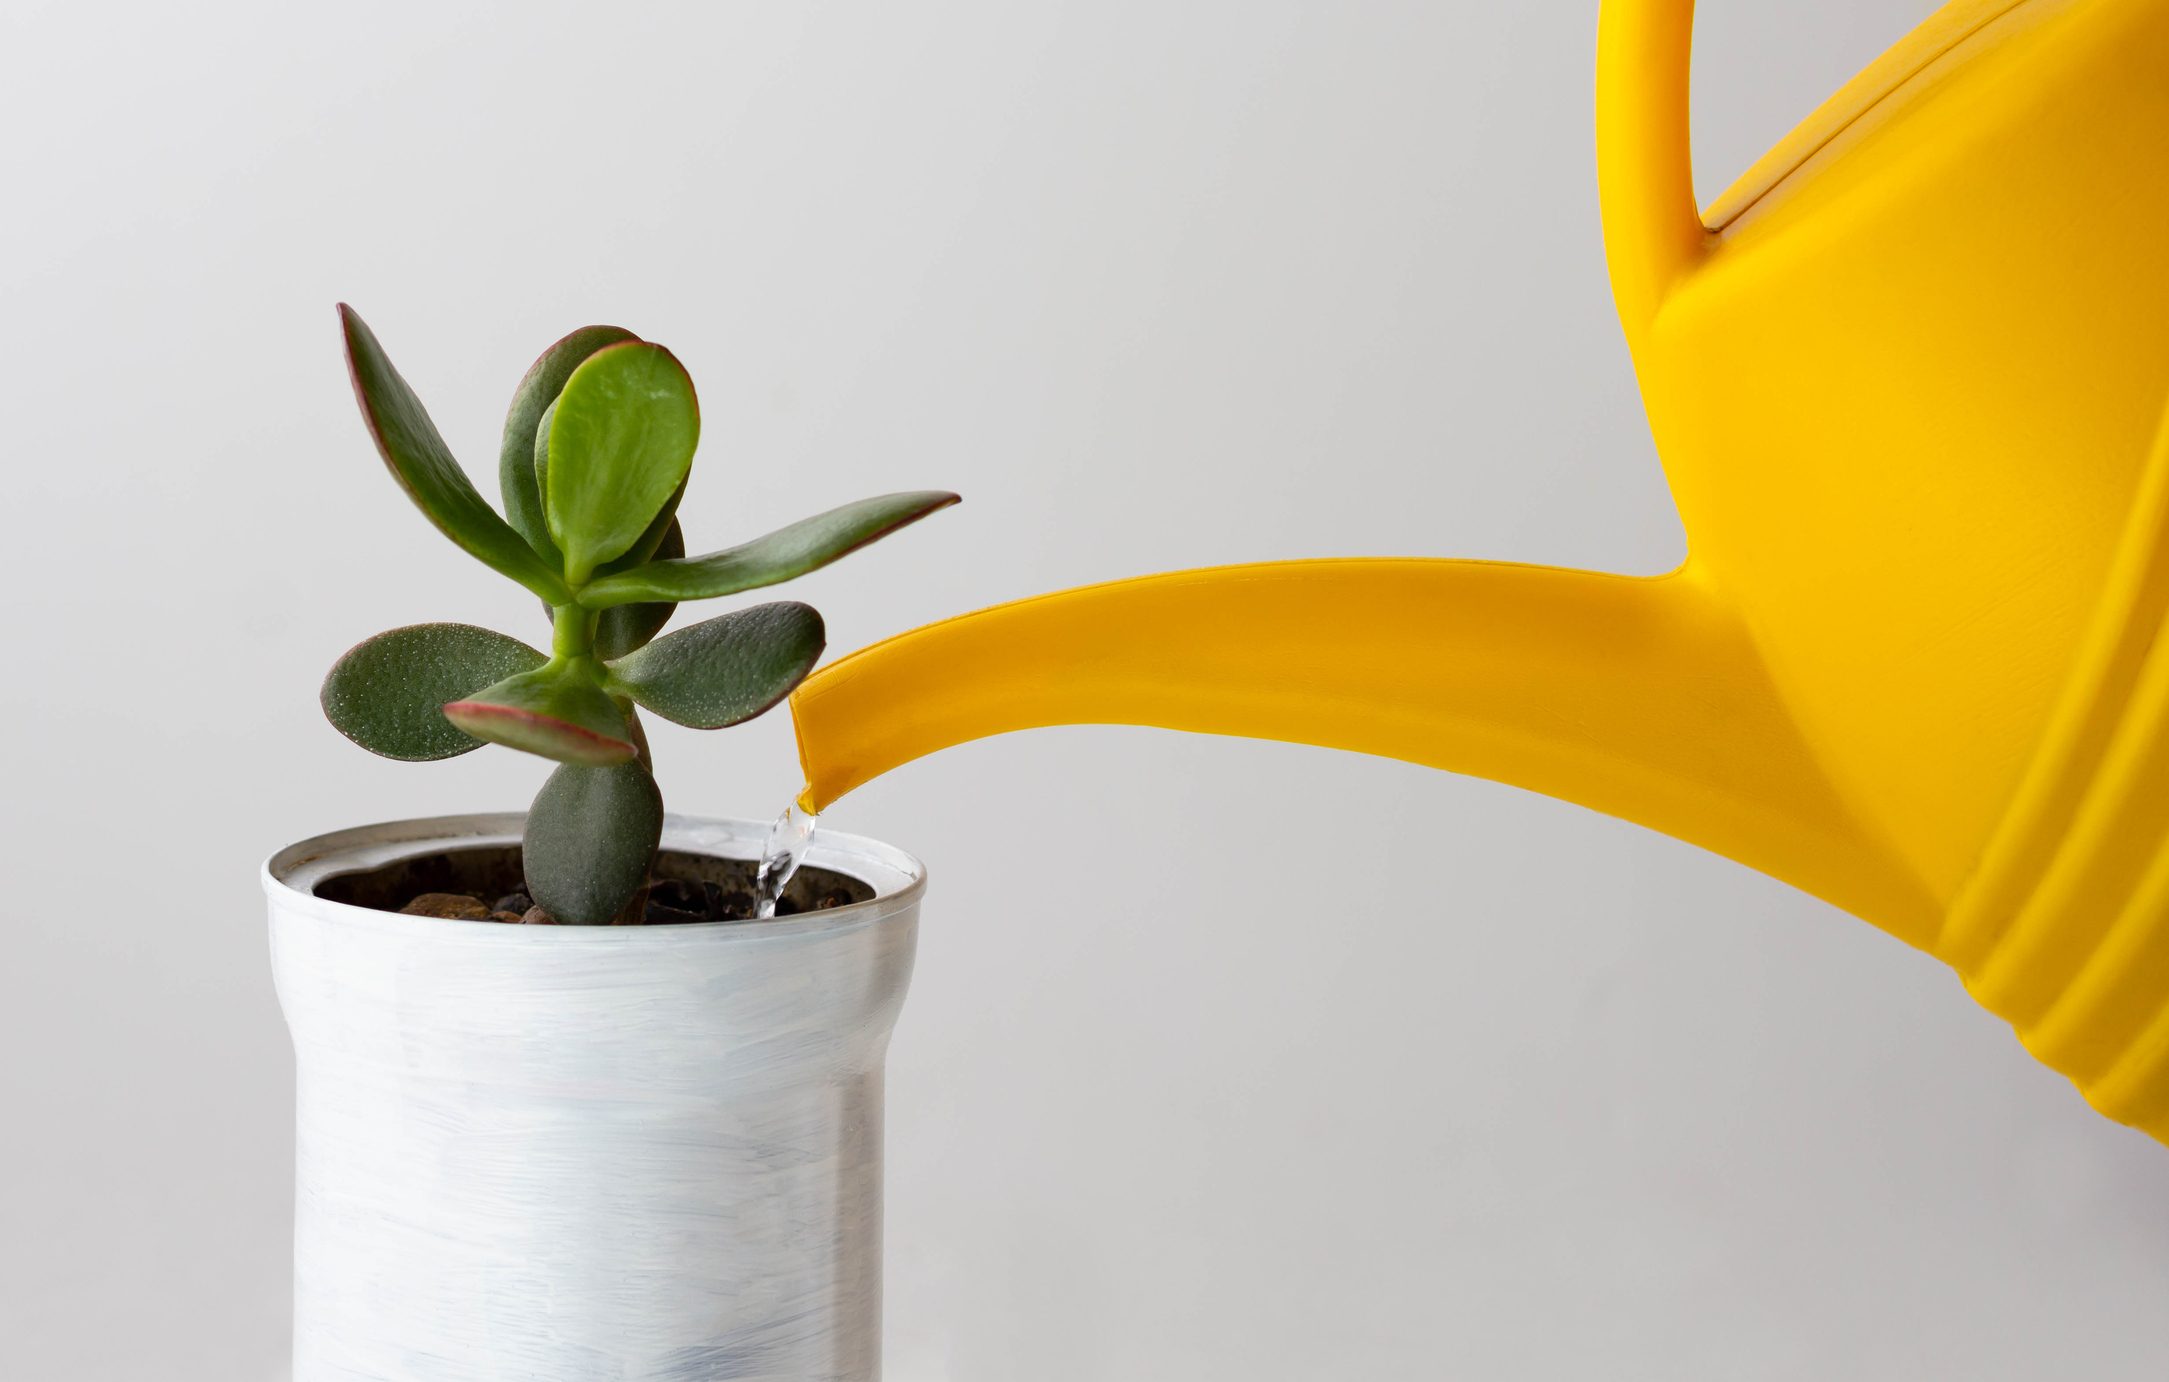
780 858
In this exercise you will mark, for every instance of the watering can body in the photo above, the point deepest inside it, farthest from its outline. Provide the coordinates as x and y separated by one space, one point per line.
1907 380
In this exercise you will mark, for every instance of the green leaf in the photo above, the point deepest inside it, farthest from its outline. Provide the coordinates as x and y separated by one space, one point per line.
545 379
388 694
804 546
726 670
661 530
622 628
424 466
591 838
558 711
621 440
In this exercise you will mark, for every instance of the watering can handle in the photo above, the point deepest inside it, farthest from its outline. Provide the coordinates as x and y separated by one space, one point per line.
1653 230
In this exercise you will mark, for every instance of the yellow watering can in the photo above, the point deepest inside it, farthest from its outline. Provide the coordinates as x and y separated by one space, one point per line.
1907 378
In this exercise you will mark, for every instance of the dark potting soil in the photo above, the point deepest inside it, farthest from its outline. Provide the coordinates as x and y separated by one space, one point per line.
485 884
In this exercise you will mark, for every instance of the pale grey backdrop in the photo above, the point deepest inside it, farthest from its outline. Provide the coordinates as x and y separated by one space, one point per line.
1225 1059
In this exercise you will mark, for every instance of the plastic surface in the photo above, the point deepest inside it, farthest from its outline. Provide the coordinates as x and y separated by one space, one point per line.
564 1153
1907 392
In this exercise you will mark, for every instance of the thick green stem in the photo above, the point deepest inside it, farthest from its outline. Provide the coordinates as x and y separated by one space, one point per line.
573 636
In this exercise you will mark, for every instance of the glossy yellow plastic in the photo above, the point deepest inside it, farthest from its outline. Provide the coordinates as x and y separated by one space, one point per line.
1908 379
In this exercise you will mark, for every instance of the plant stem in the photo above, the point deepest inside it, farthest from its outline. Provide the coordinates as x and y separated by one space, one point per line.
573 636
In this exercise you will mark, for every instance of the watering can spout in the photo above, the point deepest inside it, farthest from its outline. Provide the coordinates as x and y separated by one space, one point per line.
1640 697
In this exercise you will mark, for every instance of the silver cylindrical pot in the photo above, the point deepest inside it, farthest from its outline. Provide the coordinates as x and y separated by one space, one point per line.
579 1154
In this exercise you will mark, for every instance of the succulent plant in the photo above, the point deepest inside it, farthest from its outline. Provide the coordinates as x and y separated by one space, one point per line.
597 448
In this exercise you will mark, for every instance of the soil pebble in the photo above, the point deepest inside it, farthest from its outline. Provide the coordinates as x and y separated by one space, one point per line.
515 903
535 916
451 906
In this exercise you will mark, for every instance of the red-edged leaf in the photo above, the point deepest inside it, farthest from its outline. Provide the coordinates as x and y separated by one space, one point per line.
425 468
726 670
556 711
804 546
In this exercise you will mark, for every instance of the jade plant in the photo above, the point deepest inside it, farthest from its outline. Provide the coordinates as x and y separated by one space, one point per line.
597 448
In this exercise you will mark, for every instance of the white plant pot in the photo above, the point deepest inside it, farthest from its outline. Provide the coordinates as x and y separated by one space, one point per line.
587 1154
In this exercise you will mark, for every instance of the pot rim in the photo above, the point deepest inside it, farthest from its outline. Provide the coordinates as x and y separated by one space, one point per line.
290 875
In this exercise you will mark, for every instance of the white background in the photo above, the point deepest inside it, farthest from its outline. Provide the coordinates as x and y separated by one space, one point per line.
1224 1059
